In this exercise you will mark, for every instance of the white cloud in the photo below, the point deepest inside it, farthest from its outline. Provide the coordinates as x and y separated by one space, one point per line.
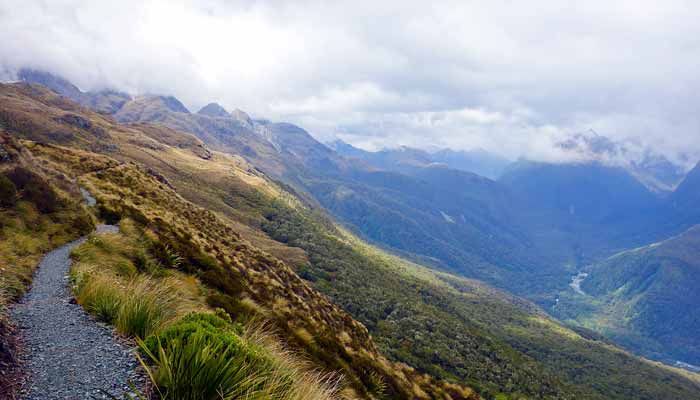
507 76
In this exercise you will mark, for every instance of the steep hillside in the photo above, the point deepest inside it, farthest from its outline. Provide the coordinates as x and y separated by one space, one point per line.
469 231
104 101
39 211
648 166
242 279
686 197
647 298
591 208
461 221
505 347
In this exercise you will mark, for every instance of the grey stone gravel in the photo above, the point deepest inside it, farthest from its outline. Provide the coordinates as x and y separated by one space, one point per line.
65 353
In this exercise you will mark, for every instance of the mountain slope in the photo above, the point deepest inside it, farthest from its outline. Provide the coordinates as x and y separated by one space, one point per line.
506 346
460 220
241 278
509 345
478 161
452 219
406 159
685 198
649 167
104 101
647 298
592 209
393 208
468 229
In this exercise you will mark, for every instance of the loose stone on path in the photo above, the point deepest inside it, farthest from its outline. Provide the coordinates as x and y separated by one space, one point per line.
65 353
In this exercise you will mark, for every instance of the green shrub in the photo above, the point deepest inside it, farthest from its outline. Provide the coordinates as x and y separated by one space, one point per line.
201 357
8 192
213 327
125 269
35 189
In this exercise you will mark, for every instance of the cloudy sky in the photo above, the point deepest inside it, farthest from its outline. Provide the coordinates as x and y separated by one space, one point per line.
508 76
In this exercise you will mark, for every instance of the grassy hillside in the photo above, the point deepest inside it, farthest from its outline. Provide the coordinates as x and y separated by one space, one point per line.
361 284
243 280
458 219
248 239
130 279
39 210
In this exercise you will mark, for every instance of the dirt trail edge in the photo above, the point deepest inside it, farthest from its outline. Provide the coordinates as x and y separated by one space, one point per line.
65 353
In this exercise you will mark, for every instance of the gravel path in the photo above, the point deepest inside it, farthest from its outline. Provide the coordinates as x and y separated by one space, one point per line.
65 353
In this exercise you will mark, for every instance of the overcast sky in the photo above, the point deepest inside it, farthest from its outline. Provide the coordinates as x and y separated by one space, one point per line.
507 76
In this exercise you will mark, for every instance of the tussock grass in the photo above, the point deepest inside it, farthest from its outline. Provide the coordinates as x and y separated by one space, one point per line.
107 283
295 377
148 306
34 219
138 307
204 357
25 236
197 368
187 353
101 297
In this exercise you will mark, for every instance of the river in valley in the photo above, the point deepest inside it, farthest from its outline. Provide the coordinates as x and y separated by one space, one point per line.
576 281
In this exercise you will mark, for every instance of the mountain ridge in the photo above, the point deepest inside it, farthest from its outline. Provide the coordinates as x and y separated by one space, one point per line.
460 208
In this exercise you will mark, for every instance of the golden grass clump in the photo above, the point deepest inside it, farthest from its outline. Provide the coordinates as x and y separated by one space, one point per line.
109 286
204 357
189 354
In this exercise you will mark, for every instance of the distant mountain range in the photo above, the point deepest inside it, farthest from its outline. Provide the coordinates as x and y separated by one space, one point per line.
526 226
651 168
405 158
105 101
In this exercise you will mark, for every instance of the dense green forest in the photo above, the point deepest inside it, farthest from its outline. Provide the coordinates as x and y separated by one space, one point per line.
458 329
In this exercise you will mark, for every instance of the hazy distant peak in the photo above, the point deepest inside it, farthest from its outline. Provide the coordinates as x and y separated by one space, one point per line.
111 92
591 143
173 104
242 117
53 82
213 110
651 168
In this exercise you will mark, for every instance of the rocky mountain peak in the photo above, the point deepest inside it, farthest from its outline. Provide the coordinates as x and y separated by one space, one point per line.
53 82
214 110
242 117
173 104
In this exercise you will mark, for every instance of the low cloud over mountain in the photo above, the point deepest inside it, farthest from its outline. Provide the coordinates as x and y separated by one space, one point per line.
509 78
